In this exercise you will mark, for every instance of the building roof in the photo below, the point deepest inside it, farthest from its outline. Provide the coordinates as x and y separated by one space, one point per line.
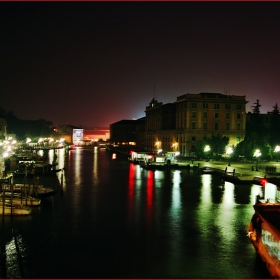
130 122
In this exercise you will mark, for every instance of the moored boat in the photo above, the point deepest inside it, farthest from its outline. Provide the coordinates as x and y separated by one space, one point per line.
264 230
17 198
15 209
138 157
264 233
37 191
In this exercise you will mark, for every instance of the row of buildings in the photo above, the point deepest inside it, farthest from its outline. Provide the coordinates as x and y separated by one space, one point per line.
177 126
173 126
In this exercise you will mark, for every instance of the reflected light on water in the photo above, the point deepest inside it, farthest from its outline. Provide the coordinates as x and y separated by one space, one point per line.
60 158
150 189
76 162
206 189
226 213
256 190
176 191
95 177
15 249
228 198
131 196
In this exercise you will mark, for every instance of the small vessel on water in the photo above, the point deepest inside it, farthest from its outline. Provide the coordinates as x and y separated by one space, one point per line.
138 157
18 198
264 229
37 191
14 209
162 161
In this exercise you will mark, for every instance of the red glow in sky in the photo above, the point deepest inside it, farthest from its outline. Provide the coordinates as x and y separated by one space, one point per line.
95 63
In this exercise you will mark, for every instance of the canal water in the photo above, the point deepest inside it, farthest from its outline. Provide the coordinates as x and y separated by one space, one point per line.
113 219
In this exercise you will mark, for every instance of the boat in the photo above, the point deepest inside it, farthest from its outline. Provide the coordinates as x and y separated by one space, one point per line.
14 209
138 157
17 198
210 170
163 161
264 232
264 229
37 191
73 147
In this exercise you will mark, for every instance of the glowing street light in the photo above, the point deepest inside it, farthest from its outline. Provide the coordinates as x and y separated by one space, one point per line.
206 150
229 152
257 154
277 150
159 151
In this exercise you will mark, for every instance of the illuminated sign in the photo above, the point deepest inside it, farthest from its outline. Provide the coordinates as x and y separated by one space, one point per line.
78 134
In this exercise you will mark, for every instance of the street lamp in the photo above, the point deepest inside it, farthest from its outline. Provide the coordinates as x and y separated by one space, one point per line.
206 150
229 152
257 154
277 149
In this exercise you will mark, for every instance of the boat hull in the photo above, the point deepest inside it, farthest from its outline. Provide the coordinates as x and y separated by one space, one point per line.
265 235
14 210
16 199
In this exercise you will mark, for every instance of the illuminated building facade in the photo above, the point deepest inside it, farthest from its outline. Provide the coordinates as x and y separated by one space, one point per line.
194 117
78 136
160 126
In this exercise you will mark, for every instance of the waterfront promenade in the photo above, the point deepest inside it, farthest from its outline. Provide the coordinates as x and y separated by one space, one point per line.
247 170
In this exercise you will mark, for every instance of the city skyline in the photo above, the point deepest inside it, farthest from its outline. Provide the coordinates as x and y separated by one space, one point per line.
95 63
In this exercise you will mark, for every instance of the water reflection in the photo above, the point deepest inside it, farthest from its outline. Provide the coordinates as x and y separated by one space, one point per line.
95 166
118 220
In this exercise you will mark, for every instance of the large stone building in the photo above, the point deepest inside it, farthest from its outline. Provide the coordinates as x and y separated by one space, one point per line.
194 117
128 133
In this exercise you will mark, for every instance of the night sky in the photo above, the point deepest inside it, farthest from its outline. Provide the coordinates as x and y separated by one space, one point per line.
95 63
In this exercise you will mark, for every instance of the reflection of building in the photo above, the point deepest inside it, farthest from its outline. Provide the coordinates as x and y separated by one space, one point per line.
3 129
128 132
194 117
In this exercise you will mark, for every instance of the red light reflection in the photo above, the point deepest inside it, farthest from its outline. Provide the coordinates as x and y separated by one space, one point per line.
150 189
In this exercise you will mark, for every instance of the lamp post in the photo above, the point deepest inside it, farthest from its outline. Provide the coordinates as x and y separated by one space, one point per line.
277 150
206 150
257 154
229 152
